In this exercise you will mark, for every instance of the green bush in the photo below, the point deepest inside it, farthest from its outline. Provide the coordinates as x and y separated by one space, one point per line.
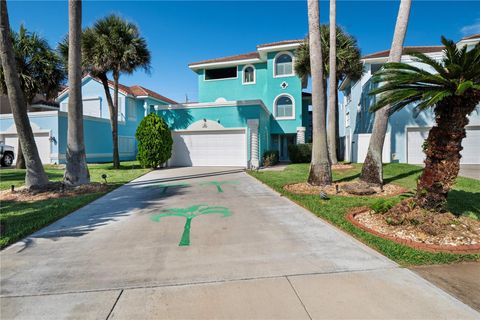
300 153
154 141
383 205
270 158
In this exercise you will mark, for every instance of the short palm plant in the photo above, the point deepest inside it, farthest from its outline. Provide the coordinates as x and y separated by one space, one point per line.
453 92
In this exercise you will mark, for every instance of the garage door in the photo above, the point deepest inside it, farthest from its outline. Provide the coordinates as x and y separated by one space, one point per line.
41 139
209 148
470 152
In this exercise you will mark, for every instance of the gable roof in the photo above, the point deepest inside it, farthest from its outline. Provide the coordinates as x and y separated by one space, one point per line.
406 50
250 57
280 43
473 36
244 56
135 91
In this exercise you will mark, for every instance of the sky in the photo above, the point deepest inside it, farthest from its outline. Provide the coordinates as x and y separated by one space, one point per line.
181 32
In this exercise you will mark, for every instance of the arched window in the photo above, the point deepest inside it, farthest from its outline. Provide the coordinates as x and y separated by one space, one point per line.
283 64
248 75
284 107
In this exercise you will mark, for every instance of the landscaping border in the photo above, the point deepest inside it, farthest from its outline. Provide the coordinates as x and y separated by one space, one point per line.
468 249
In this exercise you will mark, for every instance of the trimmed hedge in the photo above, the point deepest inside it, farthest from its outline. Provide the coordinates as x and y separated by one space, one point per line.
300 153
270 158
154 141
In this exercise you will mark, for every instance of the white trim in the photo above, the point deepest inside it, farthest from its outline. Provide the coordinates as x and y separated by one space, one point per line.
275 108
289 46
39 114
231 78
210 130
235 103
274 64
224 63
61 96
254 75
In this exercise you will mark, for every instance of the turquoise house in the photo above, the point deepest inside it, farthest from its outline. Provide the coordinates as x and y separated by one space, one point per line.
49 123
248 104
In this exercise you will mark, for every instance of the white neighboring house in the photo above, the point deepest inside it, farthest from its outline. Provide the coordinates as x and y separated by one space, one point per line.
406 134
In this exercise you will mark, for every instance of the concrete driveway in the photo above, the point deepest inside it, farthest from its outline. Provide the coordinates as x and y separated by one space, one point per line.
470 171
251 254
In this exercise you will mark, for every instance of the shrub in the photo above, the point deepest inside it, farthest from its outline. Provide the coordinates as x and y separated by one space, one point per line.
270 158
154 141
300 153
383 205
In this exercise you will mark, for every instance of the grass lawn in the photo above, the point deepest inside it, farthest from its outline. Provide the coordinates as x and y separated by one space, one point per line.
464 199
20 219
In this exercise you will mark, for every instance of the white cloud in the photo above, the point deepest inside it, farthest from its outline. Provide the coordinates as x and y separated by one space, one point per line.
472 28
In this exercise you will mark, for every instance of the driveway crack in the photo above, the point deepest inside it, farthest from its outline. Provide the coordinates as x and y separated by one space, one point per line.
114 304
299 299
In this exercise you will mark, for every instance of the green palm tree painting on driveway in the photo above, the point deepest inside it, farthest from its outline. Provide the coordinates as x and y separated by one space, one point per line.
190 213
219 184
165 186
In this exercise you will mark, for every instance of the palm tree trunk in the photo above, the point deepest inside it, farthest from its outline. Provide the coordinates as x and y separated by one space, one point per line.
76 171
320 171
35 175
20 164
114 120
372 171
442 150
332 85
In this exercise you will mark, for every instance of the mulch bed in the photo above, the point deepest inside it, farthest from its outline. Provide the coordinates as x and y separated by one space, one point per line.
342 166
421 229
52 191
346 189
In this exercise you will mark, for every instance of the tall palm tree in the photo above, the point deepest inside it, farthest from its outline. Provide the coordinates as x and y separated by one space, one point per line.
348 63
39 68
35 175
372 170
123 50
332 83
320 169
76 171
453 92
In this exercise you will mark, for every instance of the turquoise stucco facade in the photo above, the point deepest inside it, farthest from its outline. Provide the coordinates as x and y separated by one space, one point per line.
232 102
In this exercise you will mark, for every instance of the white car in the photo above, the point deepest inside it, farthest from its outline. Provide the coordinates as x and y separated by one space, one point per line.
7 155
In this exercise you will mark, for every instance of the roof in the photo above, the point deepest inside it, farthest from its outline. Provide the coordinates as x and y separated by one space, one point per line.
406 50
244 56
141 91
473 36
247 56
279 43
136 91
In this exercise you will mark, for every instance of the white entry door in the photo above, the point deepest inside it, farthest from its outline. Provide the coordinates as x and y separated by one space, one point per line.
209 148
42 139
470 152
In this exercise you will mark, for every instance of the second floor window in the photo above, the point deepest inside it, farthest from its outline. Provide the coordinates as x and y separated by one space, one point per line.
283 65
249 75
284 107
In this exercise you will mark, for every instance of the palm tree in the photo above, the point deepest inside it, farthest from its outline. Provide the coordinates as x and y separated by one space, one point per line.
372 170
453 92
320 169
76 171
332 83
35 175
122 50
190 213
348 63
39 68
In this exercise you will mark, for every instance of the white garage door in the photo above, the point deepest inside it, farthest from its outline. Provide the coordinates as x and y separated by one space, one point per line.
470 152
209 148
41 139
